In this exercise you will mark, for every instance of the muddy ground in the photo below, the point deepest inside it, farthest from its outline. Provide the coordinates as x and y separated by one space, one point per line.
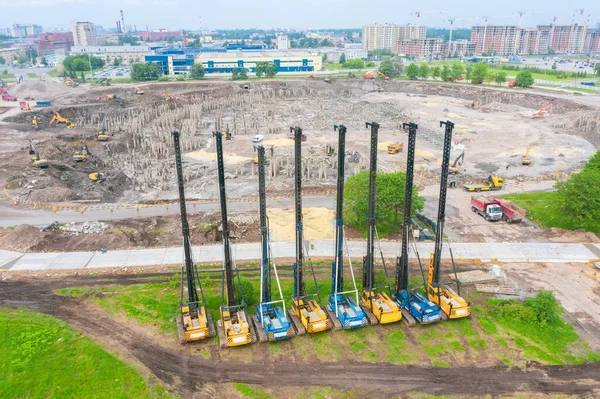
193 376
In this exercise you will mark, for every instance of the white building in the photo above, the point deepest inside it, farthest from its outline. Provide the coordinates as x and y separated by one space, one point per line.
128 54
84 34
23 30
283 42
333 54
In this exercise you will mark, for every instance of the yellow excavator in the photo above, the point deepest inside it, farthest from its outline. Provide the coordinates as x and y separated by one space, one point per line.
166 96
394 148
36 160
36 121
102 135
454 167
526 159
97 177
473 104
82 154
58 118
452 304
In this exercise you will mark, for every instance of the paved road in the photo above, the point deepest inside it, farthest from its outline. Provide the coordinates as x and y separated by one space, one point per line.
502 252
14 216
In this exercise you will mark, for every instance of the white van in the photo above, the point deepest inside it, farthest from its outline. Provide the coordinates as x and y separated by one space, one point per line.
257 138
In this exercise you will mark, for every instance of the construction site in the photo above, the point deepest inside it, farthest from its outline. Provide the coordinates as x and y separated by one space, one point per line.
250 178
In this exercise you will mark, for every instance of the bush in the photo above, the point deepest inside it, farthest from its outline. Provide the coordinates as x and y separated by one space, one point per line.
545 307
524 79
180 78
247 289
163 79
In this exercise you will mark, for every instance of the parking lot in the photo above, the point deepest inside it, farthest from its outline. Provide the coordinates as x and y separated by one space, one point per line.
111 72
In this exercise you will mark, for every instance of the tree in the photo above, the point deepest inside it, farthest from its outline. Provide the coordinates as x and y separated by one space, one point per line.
500 77
445 73
245 290
147 71
2 60
265 68
343 58
387 68
235 75
423 71
44 61
551 51
579 197
554 66
412 71
80 65
469 71
456 71
243 74
197 71
435 72
389 205
356 63
117 61
524 79
596 69
479 73
324 57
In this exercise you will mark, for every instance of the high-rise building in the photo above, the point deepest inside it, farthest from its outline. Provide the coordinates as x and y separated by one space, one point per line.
409 31
84 34
421 47
497 39
24 30
376 37
48 43
592 41
461 47
283 43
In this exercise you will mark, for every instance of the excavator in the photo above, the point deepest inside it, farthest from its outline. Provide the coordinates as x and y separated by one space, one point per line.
58 118
526 159
413 305
97 177
166 96
102 135
394 148
138 91
452 304
373 74
194 323
541 111
234 329
343 306
36 121
270 322
82 154
474 104
454 167
378 305
36 160
306 314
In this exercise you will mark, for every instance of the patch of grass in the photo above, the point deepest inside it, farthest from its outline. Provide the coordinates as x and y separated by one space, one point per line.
488 325
502 342
438 363
357 346
74 292
249 392
55 73
7 76
456 346
44 357
32 75
121 80
478 344
543 209
434 350
463 327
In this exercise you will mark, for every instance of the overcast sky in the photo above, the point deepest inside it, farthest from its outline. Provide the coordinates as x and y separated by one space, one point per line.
229 14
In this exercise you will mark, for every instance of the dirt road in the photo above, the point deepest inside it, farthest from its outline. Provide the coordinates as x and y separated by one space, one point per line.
186 374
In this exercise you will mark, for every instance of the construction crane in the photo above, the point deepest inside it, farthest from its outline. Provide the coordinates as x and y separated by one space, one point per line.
195 322
58 118
306 313
234 329
542 110
270 322
343 306
373 74
526 159
454 167
83 152
414 306
102 135
379 306
36 160
452 304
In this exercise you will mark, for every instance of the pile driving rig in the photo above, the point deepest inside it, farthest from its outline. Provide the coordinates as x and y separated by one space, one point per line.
306 313
380 307
452 304
102 135
195 322
36 160
414 306
234 329
341 306
82 154
270 322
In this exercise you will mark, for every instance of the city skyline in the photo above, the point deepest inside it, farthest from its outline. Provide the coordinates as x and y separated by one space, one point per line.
53 14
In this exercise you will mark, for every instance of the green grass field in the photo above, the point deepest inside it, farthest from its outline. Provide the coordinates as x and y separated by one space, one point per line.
32 75
43 357
491 339
542 209
55 73
7 75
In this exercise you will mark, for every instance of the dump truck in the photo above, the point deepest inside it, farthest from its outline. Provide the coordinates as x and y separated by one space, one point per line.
487 208
494 183
510 212
8 97
394 148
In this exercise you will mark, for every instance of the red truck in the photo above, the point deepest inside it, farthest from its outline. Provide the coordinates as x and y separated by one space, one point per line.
489 209
510 212
8 97
291 136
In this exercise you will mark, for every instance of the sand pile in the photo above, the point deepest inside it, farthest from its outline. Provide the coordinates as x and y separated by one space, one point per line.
318 224
229 157
53 194
278 143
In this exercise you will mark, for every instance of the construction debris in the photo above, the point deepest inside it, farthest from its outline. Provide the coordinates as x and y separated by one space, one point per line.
473 276
502 289
86 227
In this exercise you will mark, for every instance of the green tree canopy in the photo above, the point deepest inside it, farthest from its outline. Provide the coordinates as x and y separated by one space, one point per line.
456 71
343 58
479 73
524 79
389 203
500 77
435 72
266 68
2 60
387 68
80 65
147 71
423 71
445 73
197 71
468 71
412 71
597 69
356 63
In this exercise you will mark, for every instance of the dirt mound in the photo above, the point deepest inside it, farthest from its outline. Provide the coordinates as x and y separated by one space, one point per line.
21 238
318 224
53 194
40 90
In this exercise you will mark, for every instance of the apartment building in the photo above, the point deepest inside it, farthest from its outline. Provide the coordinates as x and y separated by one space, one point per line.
377 37
25 30
592 41
409 31
461 48
128 54
421 47
499 39
84 34
567 38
